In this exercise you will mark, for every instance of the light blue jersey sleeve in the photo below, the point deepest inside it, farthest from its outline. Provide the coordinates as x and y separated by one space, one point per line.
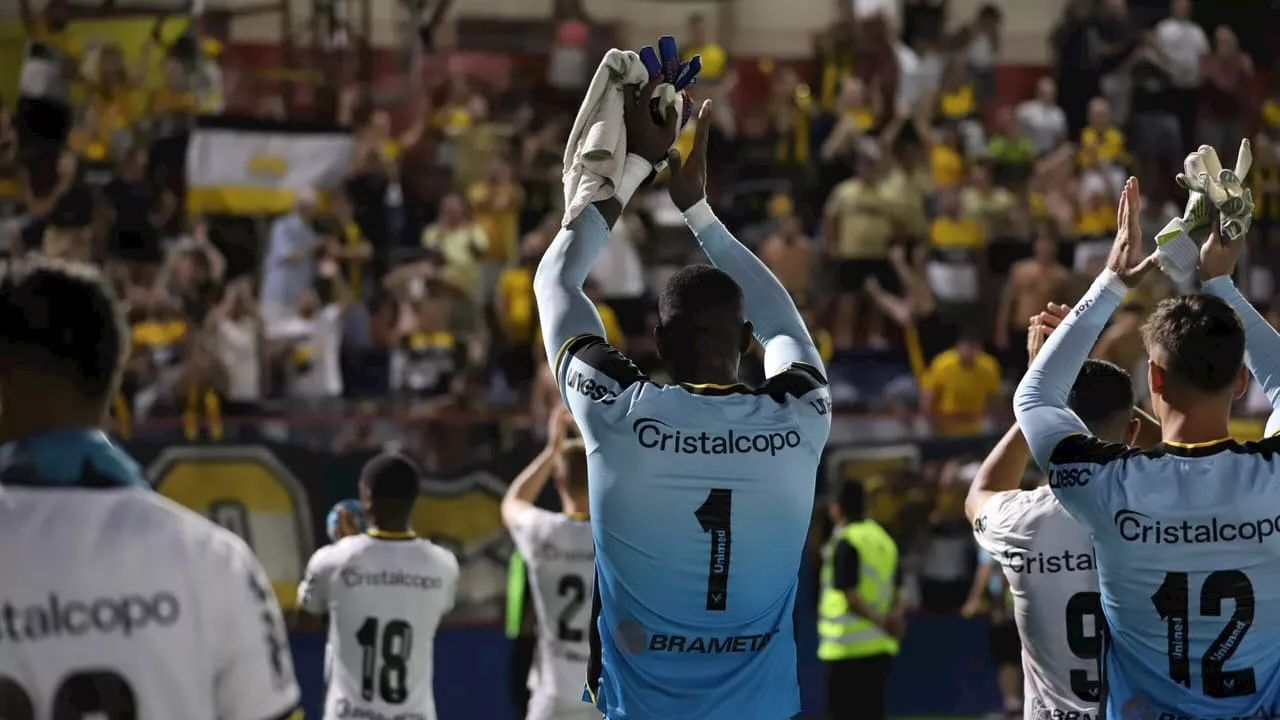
1056 435
564 310
1262 345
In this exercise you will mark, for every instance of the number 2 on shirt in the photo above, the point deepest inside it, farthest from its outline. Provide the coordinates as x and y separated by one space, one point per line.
1173 601
714 517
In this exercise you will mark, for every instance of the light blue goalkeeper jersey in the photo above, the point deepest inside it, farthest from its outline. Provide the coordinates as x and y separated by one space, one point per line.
701 499
1187 538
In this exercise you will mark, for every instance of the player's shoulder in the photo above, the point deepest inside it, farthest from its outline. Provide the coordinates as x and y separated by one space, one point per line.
1083 449
592 359
797 381
440 555
1014 508
1266 449
174 524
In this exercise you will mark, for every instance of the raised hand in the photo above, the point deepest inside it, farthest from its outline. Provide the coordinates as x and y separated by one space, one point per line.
1126 259
647 137
688 179
1218 257
1223 189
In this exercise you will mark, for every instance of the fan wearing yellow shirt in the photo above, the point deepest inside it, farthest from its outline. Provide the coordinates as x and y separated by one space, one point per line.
957 244
715 61
44 112
496 203
960 387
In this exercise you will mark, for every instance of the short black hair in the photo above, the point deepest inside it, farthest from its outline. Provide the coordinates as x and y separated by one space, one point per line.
1200 339
63 319
701 302
1102 390
392 479
852 499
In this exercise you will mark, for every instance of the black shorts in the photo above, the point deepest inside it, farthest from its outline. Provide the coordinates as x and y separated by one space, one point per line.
852 275
1006 647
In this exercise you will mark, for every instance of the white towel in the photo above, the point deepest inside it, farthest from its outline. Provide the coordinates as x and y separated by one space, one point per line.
597 146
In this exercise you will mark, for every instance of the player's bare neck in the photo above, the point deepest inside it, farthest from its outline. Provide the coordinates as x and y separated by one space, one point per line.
1187 429
574 507
725 373
28 415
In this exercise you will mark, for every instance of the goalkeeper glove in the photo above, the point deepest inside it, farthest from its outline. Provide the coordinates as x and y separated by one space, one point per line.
1211 187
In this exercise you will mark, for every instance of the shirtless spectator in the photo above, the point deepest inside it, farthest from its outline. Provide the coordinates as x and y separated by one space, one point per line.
789 254
1032 283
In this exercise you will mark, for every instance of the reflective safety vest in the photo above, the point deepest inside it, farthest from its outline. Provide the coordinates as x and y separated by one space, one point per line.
841 634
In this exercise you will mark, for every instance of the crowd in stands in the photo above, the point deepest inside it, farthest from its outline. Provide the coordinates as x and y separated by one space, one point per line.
916 219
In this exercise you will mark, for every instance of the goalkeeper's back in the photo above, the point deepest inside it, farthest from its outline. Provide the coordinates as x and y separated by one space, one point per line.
701 499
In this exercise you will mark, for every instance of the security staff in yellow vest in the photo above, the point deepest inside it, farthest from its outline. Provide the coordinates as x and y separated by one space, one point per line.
859 614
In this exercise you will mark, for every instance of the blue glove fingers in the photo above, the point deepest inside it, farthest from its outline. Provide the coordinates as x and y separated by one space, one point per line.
689 73
670 57
649 57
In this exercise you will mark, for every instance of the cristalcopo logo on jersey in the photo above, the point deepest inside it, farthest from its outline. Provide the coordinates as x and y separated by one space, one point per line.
1069 477
654 434
59 617
1137 527
1047 563
355 577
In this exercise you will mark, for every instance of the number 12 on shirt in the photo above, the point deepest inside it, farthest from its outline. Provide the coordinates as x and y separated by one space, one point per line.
714 517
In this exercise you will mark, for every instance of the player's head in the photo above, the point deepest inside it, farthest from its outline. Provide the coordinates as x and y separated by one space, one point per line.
702 329
571 472
62 346
1102 397
1195 346
388 489
850 501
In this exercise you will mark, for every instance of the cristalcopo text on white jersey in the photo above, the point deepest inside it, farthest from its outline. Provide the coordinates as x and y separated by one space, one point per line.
59 617
355 577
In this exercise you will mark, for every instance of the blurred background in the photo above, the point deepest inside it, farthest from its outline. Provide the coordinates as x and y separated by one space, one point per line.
324 217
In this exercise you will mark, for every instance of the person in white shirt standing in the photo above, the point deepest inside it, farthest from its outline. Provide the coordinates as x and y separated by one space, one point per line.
558 549
385 592
1184 45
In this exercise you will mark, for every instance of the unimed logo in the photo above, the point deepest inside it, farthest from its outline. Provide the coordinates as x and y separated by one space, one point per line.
1069 477
654 434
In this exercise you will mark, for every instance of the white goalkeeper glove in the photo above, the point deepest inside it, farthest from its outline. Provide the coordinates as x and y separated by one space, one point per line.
1211 187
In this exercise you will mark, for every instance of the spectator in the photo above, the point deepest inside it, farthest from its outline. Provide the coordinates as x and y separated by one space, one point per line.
515 311
1225 93
961 386
1075 44
1157 139
854 117
1184 44
858 224
1032 284
495 204
1265 179
958 107
541 160
457 245
957 254
619 274
50 66
991 205
236 326
289 268
170 112
1102 144
1010 152
946 162
834 51
789 254
1117 39
1041 120
428 362
309 346
567 70
982 48
701 41
111 89
482 142
1095 218
64 214
341 243
136 211
1121 343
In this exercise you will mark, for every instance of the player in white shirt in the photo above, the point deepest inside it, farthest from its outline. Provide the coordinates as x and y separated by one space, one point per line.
385 591
560 555
114 602
1046 556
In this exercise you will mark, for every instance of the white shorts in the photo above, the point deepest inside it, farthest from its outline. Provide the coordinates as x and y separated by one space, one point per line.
545 707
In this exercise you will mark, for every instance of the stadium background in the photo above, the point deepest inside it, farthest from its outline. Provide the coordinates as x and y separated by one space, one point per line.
284 90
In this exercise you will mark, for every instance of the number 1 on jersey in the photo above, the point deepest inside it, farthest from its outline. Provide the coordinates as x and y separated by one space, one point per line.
396 642
714 517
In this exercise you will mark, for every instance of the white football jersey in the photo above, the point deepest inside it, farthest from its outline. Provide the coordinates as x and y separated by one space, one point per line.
385 597
561 557
118 603
1048 560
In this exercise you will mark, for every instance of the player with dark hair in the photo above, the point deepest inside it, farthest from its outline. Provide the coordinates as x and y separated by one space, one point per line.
559 552
385 591
860 616
110 590
701 492
1056 629
1184 534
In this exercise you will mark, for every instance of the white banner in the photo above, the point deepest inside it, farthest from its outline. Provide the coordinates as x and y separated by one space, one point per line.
253 167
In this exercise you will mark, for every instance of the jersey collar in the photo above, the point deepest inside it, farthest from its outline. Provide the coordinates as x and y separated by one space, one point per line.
391 534
75 457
